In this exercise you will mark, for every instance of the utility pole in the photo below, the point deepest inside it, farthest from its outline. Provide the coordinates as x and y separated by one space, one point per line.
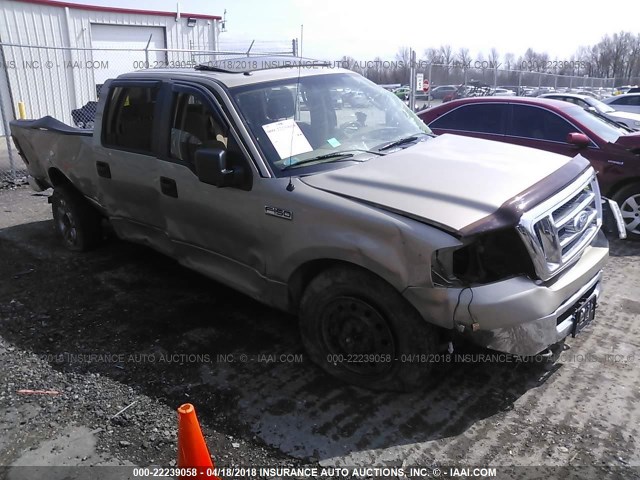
412 79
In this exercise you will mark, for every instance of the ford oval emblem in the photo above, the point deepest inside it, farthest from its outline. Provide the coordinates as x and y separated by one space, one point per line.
580 221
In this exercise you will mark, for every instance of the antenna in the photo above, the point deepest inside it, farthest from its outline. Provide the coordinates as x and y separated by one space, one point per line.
250 47
301 35
290 186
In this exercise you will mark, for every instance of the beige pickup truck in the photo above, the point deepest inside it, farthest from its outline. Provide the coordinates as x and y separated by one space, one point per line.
317 192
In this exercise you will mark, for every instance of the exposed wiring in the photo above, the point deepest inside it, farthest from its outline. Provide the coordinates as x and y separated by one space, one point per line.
455 310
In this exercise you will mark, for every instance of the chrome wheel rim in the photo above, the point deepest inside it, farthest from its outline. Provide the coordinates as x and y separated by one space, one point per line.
630 209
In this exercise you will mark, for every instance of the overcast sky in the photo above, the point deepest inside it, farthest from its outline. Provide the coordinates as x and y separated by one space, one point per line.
364 30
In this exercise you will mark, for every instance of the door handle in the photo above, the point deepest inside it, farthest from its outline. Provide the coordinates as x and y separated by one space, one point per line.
169 187
103 169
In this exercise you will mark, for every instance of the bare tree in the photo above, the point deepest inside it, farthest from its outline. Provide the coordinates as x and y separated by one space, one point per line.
614 56
463 57
494 58
510 61
403 57
447 54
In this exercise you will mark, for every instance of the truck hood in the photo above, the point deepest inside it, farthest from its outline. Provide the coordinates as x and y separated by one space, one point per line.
461 184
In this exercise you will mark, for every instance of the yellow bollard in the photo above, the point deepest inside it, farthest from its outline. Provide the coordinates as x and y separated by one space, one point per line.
22 111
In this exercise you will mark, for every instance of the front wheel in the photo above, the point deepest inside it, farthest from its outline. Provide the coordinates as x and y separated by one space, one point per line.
359 329
629 200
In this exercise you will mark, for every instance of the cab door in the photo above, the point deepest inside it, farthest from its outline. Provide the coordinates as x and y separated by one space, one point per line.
126 163
214 230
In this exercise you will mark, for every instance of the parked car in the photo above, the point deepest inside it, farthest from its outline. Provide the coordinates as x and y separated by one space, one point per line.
542 90
503 92
402 92
303 211
472 89
630 120
355 99
629 102
518 90
558 127
421 101
587 93
437 93
622 90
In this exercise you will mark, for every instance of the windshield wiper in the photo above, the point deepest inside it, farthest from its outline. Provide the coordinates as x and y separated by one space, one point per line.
399 142
334 156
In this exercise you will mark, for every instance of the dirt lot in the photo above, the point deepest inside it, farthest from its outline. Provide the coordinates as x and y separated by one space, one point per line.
123 326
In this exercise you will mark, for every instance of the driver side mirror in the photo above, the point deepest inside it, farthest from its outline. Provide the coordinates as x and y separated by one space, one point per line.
213 167
580 140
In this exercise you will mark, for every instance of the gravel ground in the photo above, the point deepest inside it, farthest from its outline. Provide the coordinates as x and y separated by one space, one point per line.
123 326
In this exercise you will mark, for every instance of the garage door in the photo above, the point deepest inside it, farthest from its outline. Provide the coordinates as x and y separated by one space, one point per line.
128 37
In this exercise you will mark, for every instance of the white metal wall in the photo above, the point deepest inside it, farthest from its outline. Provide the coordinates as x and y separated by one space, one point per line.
59 79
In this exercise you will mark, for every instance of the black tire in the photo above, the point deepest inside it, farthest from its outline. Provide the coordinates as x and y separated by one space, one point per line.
75 220
348 315
629 200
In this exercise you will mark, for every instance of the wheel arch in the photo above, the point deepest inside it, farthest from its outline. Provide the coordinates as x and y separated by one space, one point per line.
57 178
306 272
613 190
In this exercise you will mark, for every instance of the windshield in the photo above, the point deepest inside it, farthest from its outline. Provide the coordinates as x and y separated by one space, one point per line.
600 127
600 106
297 120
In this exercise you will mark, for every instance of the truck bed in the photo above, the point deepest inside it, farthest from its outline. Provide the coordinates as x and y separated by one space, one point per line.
48 143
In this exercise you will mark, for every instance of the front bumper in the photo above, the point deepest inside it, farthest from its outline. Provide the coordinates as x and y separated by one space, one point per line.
518 315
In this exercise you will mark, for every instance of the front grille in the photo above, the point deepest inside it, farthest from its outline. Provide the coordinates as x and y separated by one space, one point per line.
558 230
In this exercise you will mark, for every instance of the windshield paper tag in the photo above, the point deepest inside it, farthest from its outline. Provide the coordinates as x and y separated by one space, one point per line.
333 142
287 138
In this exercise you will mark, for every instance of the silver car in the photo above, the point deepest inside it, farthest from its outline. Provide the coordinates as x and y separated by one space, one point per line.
628 119
628 102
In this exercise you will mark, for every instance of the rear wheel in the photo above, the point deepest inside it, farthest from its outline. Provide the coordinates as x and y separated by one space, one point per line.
361 330
629 200
75 221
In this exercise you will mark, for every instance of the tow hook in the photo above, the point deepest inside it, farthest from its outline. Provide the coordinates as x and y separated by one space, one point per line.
547 354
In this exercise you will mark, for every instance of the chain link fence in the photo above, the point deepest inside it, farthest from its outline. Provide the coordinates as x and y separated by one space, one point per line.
65 83
495 77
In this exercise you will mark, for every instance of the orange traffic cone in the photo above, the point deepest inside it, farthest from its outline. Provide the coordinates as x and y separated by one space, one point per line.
192 449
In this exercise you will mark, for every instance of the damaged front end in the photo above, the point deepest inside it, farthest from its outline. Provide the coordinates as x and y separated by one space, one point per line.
485 258
522 288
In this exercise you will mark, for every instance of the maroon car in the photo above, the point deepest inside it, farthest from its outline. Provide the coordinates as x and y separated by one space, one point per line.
555 126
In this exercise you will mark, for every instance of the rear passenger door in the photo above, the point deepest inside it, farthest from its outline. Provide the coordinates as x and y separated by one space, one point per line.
482 120
127 164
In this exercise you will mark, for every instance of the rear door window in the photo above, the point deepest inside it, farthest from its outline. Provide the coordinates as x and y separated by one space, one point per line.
129 118
627 100
482 118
